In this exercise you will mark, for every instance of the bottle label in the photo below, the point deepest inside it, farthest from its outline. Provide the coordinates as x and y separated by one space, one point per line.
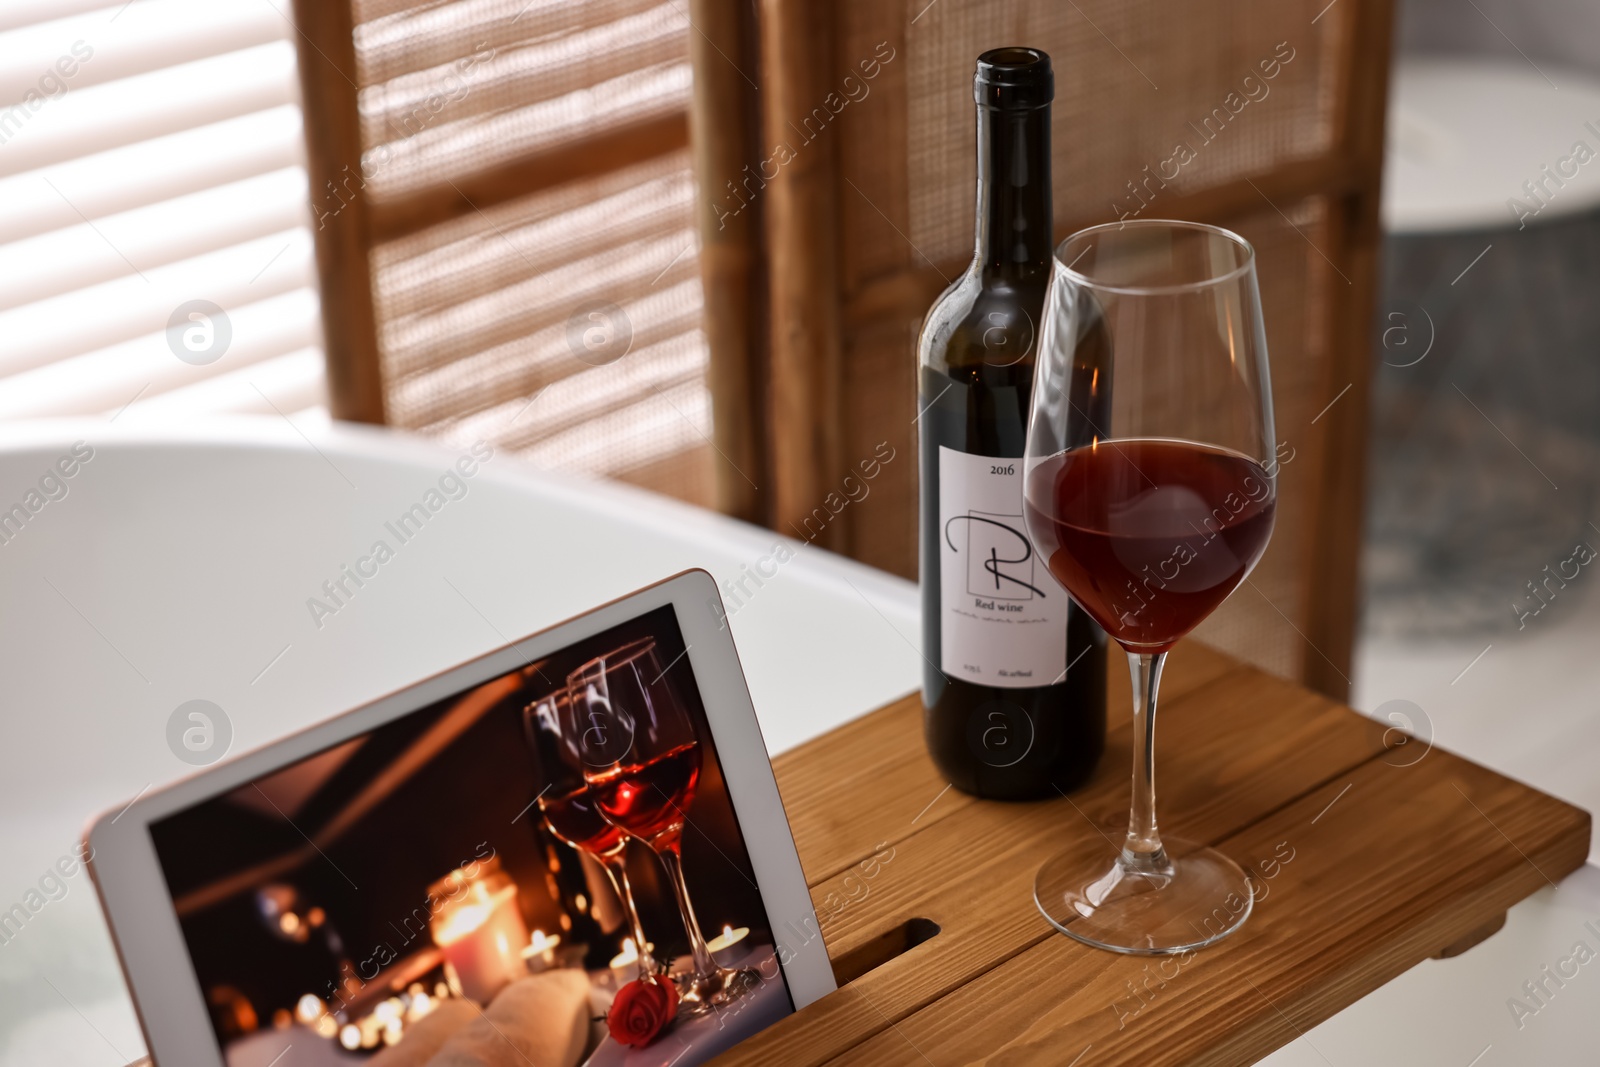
1003 618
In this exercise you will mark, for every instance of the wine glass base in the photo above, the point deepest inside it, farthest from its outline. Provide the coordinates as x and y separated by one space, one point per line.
1200 896
700 993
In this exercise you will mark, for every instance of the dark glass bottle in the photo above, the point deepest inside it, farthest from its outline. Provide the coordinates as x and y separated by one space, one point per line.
1014 678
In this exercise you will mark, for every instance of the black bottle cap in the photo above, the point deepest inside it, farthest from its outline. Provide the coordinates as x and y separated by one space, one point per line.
1014 79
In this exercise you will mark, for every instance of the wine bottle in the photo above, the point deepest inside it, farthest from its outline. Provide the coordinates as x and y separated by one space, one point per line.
1014 678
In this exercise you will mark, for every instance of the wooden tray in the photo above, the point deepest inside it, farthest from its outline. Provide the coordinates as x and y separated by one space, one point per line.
1374 852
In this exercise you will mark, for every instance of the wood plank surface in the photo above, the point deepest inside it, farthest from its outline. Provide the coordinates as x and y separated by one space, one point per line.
1369 859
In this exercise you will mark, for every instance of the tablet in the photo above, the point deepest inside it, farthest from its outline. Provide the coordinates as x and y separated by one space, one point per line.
465 868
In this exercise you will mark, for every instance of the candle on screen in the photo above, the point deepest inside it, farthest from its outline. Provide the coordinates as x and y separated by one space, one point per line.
541 951
481 937
309 1008
625 964
728 938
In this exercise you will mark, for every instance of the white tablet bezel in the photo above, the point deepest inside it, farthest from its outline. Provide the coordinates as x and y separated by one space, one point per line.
139 907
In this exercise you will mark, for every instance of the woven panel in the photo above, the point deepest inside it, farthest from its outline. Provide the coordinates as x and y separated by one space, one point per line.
464 87
1262 622
564 325
1133 82
398 37
543 77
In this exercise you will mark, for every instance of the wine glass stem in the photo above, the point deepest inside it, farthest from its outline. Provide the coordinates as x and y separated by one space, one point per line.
617 870
1142 850
703 963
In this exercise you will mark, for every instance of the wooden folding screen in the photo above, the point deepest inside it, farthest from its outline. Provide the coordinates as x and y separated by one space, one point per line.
1265 116
504 210
468 205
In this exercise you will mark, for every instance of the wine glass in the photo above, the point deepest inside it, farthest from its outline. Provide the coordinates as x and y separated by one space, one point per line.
570 811
641 758
1150 491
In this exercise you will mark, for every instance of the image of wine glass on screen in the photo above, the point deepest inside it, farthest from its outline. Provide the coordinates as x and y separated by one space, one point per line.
570 812
641 758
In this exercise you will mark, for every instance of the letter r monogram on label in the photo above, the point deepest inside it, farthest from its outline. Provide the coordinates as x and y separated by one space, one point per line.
989 573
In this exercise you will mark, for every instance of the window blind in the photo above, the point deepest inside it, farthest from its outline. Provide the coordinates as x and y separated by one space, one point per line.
484 318
157 259
151 171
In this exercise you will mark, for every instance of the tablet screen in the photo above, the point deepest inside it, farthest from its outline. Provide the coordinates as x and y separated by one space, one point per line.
471 882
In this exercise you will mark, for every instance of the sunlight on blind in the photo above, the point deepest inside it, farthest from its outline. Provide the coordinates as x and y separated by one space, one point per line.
483 319
156 253
156 260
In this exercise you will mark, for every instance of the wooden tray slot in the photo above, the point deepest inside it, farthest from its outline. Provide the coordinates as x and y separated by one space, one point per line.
895 941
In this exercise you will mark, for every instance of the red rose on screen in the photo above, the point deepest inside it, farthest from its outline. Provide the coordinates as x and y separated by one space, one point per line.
642 1010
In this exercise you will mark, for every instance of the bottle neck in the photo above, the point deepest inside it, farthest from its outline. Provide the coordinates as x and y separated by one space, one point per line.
1014 223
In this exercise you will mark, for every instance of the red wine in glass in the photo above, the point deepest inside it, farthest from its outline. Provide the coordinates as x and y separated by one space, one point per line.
649 799
1151 535
575 818
641 757
570 811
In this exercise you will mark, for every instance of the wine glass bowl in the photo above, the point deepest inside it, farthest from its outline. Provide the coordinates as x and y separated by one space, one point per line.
648 800
642 785
1151 535
570 811
1150 492
641 762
